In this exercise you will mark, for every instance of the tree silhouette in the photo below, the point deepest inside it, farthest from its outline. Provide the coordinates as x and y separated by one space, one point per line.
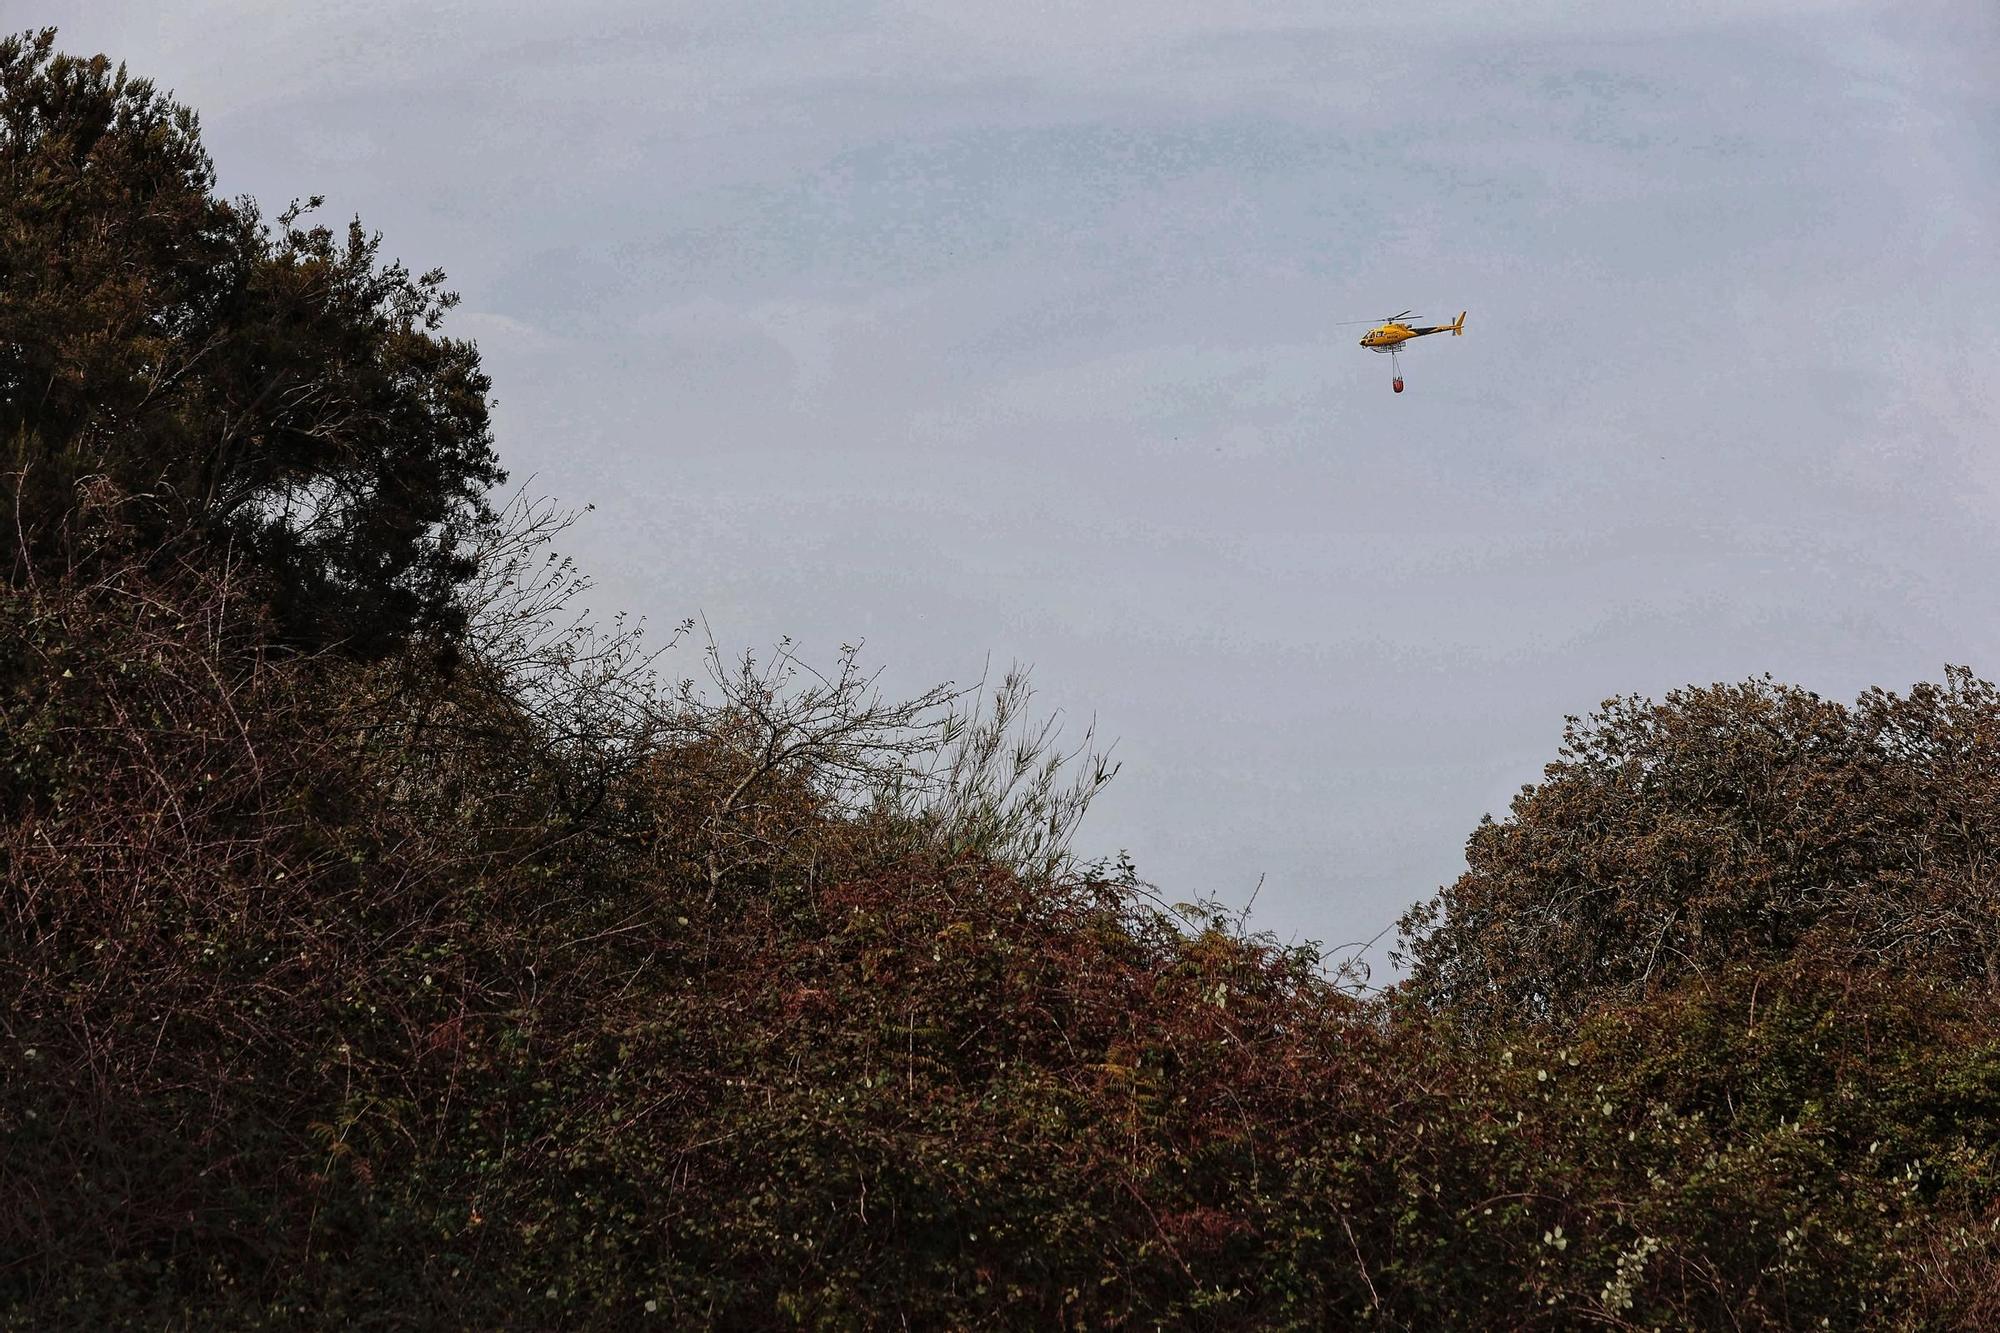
274 389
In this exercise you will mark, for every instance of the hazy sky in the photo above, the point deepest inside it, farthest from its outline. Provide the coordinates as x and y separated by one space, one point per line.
1008 331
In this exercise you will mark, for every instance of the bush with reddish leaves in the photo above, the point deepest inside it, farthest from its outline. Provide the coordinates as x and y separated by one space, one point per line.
315 1015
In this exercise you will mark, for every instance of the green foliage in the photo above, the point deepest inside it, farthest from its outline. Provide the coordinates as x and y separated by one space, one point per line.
277 390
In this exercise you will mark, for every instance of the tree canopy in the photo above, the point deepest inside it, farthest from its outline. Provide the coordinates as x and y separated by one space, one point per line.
274 389
1730 824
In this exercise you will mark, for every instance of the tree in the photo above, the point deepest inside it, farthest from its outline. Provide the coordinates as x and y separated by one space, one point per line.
275 389
1732 823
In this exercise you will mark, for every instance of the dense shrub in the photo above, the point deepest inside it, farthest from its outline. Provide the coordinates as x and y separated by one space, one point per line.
1733 824
294 1037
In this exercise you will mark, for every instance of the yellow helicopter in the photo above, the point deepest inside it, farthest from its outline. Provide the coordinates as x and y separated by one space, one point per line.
1393 332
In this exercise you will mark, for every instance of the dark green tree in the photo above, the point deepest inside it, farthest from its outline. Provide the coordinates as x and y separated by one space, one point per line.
217 381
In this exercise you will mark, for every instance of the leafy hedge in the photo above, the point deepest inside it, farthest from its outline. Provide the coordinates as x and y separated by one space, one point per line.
291 1042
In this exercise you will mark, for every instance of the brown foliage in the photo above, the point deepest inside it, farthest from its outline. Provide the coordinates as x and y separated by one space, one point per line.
321 1000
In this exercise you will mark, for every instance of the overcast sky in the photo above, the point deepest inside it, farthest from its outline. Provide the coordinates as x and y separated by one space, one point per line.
1009 331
